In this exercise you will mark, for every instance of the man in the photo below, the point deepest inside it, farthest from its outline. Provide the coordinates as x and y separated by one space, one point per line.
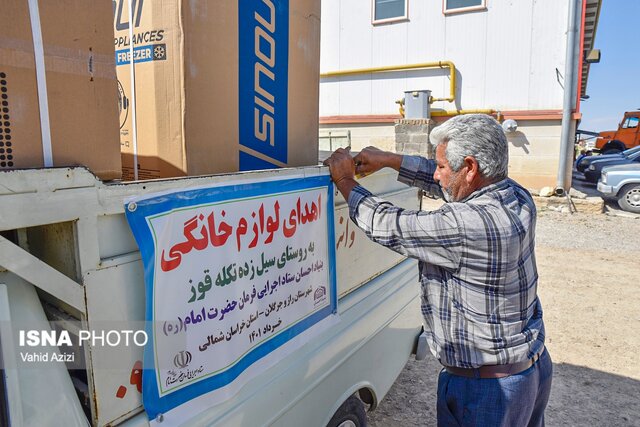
478 271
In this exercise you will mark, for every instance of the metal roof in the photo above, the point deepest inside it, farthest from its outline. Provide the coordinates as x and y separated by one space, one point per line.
590 26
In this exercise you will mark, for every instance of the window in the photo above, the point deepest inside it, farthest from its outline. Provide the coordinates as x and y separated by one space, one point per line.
389 10
631 122
453 6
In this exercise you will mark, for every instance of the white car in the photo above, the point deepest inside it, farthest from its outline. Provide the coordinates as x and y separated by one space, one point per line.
622 182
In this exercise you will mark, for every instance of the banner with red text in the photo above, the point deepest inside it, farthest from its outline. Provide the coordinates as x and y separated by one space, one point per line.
234 275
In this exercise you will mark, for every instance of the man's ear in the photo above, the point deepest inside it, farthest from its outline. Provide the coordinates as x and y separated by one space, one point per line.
473 169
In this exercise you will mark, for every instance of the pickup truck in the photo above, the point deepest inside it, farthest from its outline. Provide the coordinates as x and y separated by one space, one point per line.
69 262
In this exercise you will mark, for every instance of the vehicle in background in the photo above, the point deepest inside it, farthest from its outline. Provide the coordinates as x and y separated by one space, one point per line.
583 162
592 173
586 141
626 136
622 183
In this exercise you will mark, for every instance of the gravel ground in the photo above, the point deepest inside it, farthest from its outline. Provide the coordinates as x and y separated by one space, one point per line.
589 283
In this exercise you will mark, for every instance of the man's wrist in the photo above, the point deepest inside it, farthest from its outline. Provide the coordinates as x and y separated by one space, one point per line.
395 161
345 185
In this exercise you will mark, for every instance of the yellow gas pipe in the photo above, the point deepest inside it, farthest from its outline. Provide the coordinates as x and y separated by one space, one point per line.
447 113
421 66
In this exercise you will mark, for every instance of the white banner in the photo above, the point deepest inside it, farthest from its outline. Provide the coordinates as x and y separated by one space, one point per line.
233 274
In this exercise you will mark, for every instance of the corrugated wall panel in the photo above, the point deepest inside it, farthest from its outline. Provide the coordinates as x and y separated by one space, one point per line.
330 56
355 52
389 44
330 35
355 34
434 50
355 96
386 89
508 55
329 97
466 44
426 43
425 32
386 50
548 47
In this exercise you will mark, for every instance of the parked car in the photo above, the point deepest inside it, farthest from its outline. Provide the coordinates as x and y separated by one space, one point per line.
583 162
622 182
592 173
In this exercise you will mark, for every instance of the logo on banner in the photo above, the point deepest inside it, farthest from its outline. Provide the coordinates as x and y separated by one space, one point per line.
319 295
182 359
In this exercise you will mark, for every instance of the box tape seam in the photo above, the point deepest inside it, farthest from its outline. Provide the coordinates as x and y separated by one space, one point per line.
134 119
41 79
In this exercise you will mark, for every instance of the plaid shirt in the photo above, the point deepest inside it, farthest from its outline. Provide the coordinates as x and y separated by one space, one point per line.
477 266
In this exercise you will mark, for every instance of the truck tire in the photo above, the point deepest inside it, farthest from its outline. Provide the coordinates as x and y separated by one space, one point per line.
350 414
613 147
629 199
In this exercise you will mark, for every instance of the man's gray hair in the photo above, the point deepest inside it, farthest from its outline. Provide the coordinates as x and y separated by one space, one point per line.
476 135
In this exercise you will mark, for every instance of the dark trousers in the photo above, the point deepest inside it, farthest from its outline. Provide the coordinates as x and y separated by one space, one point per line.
514 401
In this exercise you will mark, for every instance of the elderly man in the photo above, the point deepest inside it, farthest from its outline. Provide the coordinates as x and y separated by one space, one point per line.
478 274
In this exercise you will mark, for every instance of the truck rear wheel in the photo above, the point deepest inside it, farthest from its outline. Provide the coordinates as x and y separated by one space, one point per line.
629 199
613 147
350 414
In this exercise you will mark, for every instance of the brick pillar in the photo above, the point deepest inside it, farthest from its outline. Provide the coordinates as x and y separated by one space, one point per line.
412 137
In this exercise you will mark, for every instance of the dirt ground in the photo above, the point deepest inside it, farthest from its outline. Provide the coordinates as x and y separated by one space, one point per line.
589 286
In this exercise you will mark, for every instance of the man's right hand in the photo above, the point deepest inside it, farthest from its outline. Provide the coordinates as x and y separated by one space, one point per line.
372 159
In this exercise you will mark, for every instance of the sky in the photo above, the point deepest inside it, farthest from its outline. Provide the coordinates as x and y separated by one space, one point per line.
614 83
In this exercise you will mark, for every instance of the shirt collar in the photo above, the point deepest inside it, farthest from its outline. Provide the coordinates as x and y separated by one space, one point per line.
496 186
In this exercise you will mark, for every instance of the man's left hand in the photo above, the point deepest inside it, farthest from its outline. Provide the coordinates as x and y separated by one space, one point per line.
341 165
343 170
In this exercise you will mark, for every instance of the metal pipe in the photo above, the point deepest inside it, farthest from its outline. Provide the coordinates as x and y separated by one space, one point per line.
448 113
391 68
583 16
566 140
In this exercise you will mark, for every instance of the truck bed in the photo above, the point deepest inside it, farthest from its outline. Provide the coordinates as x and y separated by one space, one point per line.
63 233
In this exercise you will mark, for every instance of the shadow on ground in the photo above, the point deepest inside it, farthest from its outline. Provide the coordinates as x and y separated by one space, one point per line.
578 182
579 396
584 396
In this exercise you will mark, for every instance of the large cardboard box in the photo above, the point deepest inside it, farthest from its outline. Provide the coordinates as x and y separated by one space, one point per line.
58 86
219 86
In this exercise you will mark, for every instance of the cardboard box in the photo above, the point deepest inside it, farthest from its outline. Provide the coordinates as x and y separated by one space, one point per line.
218 88
58 86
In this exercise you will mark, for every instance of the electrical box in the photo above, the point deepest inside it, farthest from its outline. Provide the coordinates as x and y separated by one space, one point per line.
416 104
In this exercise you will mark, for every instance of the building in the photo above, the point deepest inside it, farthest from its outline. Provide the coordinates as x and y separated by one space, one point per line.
506 57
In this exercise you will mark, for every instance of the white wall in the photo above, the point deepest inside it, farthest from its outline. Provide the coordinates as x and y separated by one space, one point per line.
506 56
533 150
